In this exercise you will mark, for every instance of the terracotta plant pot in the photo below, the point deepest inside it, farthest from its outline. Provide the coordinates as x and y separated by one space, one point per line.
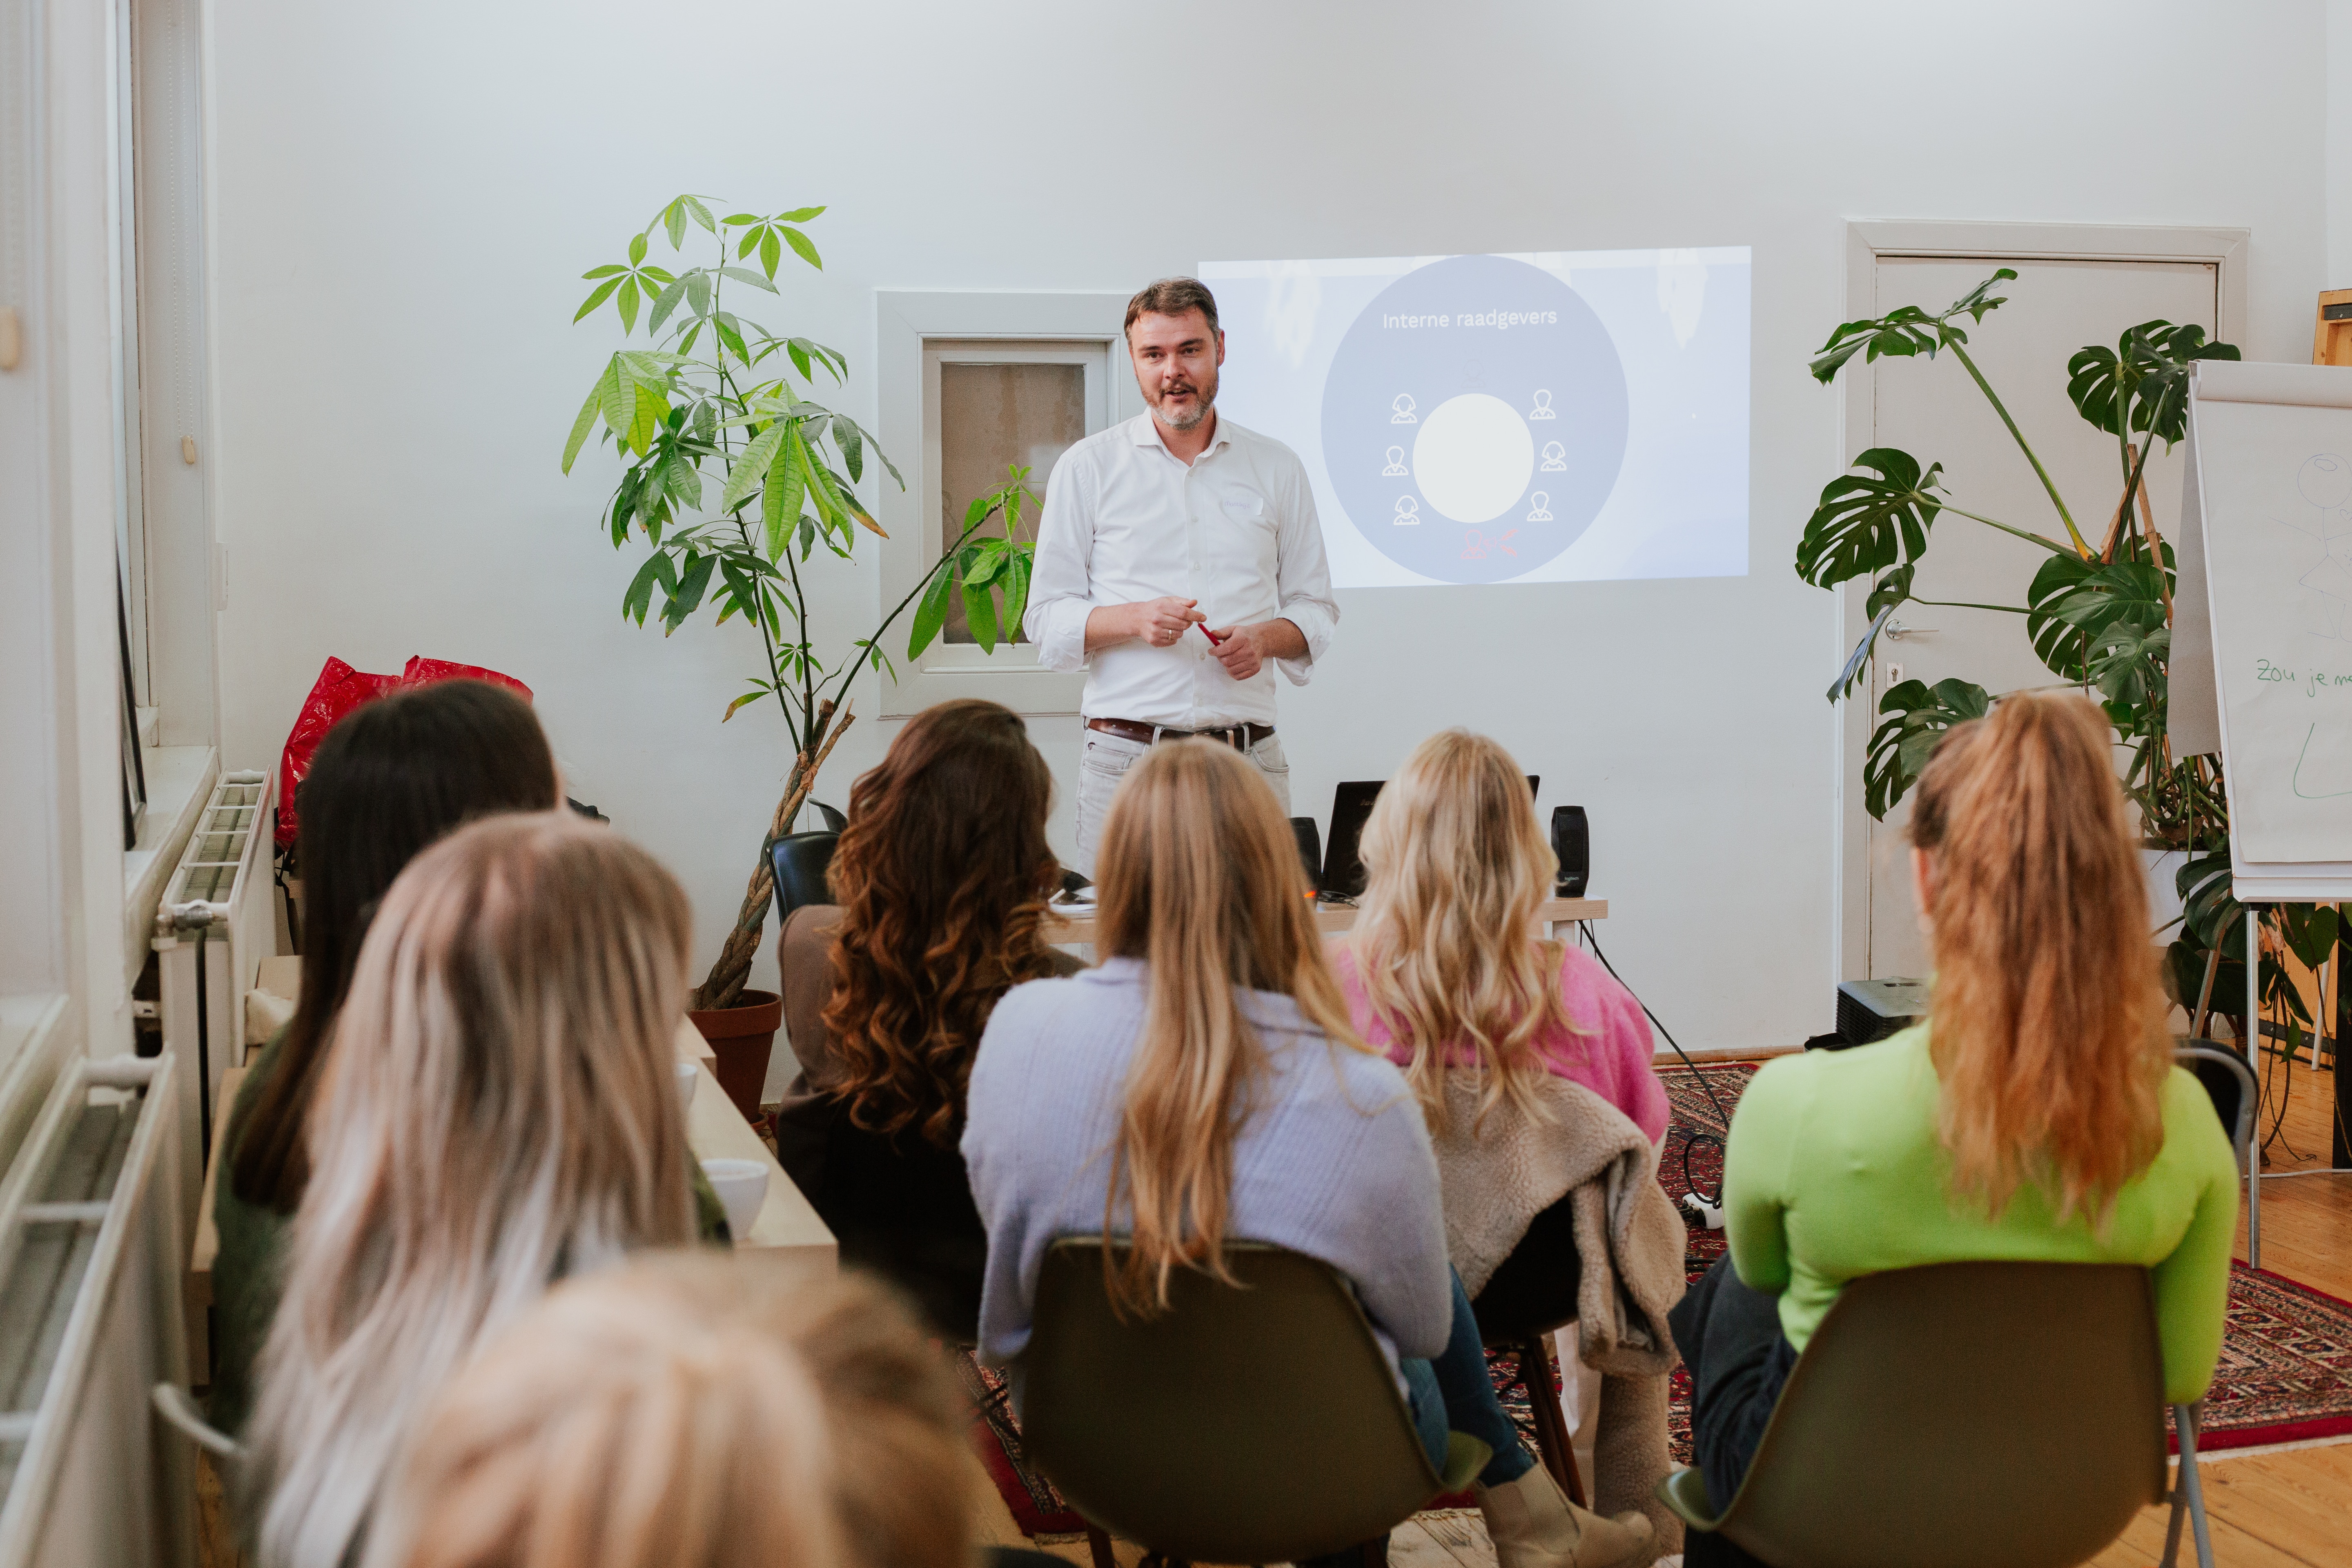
743 1037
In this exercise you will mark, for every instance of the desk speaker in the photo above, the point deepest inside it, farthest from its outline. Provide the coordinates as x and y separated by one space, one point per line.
1572 841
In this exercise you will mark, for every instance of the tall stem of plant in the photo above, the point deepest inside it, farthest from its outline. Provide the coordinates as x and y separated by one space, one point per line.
946 556
2025 533
1985 386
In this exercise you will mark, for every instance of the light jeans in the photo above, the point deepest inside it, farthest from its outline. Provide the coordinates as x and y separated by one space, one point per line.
1105 761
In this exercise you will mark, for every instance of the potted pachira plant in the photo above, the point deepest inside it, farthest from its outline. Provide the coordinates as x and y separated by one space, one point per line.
732 474
2098 613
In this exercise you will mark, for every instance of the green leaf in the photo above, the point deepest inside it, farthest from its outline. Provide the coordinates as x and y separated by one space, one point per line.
752 696
674 221
1900 746
750 469
682 480
629 303
1905 330
799 360
770 252
637 249
1016 590
698 292
737 220
1863 525
980 614
2106 604
799 215
931 613
2141 384
851 442
2209 903
808 535
687 597
780 499
803 248
745 275
724 323
750 240
584 424
1859 659
987 559
610 269
639 598
671 299
700 214
603 290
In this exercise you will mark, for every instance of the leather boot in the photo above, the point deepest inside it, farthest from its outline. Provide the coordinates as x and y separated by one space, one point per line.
1533 1525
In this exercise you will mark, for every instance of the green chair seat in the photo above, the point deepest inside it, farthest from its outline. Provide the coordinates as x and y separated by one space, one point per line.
1250 1424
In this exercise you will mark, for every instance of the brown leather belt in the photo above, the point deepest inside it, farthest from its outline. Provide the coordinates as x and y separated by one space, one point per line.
1241 737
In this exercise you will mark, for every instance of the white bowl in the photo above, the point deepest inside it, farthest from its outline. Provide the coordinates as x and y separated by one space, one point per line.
742 1187
688 1072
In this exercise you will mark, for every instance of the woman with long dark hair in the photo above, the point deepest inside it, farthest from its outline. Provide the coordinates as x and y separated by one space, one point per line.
942 875
388 780
2035 1115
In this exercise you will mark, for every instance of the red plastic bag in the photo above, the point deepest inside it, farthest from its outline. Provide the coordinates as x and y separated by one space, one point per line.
338 690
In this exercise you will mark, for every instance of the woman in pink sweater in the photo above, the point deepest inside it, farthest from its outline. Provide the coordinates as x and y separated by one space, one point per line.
1444 970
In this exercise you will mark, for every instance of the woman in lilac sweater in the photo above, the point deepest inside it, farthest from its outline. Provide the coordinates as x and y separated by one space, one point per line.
1444 971
1203 1085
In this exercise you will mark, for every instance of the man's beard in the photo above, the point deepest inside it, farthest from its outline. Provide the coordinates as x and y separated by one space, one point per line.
1204 399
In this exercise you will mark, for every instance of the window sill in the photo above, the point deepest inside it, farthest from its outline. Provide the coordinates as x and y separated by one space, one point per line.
30 1050
179 781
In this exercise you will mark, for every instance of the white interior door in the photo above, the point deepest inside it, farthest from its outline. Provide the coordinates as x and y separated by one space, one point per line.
1931 409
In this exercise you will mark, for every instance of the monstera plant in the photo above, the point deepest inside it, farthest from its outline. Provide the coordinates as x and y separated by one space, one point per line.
2097 611
733 473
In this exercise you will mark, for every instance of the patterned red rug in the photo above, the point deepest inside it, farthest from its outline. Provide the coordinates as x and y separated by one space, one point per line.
2287 1361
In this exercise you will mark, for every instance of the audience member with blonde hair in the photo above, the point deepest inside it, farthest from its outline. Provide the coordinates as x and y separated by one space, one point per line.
1445 969
689 1412
1533 1066
2035 1115
1204 1084
500 1111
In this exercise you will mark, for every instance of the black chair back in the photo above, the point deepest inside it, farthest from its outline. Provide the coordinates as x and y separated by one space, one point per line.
1310 848
800 861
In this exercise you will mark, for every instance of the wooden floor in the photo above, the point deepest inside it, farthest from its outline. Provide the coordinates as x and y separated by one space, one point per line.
2267 1509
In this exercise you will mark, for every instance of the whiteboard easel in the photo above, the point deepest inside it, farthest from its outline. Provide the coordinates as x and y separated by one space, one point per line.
2261 646
2262 641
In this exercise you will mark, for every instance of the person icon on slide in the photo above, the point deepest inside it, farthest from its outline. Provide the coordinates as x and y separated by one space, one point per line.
1541 511
1405 414
1542 410
1407 512
1474 546
1555 457
1396 469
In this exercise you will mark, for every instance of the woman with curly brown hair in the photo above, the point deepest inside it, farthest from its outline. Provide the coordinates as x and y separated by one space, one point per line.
941 877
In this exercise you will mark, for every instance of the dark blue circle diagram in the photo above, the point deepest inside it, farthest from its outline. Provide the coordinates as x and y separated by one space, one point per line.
1475 419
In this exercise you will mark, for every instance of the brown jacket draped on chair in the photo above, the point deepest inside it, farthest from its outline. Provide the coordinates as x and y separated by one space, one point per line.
1498 1177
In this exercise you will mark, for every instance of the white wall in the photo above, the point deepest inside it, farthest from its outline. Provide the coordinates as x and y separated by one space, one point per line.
406 195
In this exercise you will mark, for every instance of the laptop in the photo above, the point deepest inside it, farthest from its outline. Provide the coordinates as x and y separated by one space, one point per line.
1351 805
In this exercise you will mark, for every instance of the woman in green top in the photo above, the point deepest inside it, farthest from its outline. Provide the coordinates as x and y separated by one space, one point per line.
2037 1115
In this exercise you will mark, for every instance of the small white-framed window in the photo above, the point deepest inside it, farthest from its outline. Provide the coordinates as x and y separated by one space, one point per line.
970 383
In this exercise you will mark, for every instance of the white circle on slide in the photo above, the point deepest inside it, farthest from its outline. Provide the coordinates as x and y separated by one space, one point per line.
1473 457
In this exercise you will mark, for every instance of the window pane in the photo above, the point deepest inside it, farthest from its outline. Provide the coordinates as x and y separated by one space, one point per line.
992 414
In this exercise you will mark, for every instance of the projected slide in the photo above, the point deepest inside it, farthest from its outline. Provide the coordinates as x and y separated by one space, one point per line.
1552 417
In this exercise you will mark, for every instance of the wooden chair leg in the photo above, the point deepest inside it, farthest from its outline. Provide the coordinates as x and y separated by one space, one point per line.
1098 1544
1552 1444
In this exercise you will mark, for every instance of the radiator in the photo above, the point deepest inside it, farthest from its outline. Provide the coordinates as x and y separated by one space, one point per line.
92 1255
214 928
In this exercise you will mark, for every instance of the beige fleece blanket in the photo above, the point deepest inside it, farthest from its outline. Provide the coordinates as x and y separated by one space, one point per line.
1629 1241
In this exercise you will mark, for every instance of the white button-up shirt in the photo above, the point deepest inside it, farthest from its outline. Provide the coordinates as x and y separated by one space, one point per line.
1126 520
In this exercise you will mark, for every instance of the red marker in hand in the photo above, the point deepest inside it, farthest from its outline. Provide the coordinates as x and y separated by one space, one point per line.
1213 638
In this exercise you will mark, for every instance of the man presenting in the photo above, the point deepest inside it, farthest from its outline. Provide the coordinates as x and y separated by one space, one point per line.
1178 561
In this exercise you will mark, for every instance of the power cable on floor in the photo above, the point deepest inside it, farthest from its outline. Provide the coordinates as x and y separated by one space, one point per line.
1690 1136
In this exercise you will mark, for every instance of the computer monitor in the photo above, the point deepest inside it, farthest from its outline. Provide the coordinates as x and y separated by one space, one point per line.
1351 803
